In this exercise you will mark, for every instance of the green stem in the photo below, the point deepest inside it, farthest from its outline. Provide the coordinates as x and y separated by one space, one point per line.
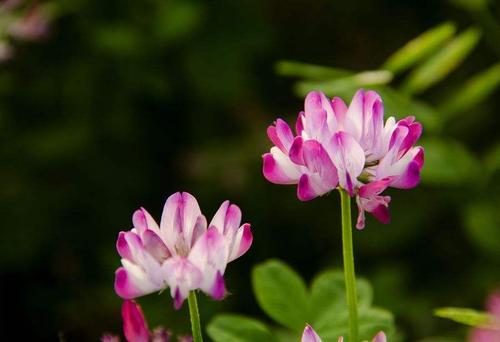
195 317
349 274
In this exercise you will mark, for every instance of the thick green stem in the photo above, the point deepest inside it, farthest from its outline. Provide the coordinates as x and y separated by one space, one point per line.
349 273
195 317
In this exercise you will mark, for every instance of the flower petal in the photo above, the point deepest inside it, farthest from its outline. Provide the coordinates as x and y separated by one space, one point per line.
296 151
279 169
135 327
375 187
318 115
348 157
182 276
210 256
181 217
354 117
318 161
131 281
142 220
155 246
227 219
242 242
378 206
309 335
380 337
281 135
340 110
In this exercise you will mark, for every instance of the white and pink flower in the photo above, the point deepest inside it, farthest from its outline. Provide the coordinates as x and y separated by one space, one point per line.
180 252
346 146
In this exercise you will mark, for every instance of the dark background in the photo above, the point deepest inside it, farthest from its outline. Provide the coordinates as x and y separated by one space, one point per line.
126 102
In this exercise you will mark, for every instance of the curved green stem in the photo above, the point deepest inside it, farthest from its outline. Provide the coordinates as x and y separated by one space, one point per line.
349 273
195 317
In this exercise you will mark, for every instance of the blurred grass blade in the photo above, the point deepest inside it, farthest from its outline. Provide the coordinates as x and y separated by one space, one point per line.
420 47
345 85
471 5
474 91
310 71
450 163
442 63
492 159
467 316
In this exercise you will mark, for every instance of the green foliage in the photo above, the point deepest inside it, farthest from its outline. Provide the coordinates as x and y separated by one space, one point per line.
465 316
420 47
235 328
311 71
283 295
482 224
449 162
442 63
473 92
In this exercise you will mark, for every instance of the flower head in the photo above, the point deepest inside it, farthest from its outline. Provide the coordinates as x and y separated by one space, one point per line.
180 252
351 147
492 333
309 335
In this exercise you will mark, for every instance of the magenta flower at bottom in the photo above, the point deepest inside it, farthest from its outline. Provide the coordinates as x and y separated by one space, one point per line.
180 252
309 335
135 327
492 333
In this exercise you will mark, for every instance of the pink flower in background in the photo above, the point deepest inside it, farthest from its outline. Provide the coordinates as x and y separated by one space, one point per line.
346 146
309 335
493 334
135 327
33 25
180 252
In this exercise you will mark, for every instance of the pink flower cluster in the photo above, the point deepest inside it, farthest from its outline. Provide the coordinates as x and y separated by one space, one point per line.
347 146
309 335
180 252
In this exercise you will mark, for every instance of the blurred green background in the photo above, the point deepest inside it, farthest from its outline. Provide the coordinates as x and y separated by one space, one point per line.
125 102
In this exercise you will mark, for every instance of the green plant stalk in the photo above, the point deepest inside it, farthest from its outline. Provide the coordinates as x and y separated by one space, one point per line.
349 273
195 317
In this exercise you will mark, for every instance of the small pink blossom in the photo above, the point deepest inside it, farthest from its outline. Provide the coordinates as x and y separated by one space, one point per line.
492 333
135 327
309 335
180 252
335 145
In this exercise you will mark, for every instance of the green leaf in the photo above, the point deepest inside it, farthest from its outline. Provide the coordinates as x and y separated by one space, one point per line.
328 295
236 328
420 47
473 92
466 316
345 85
310 71
482 223
448 162
442 63
370 322
281 293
